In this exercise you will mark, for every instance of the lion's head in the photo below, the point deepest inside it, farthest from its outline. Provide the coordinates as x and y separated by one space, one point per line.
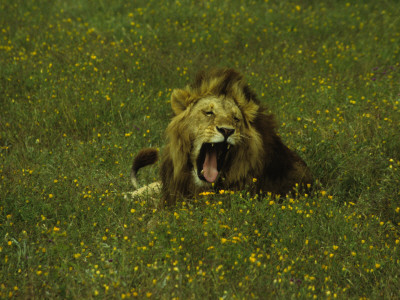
212 132
222 137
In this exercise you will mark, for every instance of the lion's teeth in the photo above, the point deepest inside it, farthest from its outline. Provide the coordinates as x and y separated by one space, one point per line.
202 172
229 145
212 145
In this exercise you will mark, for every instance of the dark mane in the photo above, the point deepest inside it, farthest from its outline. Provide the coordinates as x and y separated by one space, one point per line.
222 82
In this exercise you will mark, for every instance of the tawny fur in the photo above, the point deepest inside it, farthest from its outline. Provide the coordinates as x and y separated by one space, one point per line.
222 99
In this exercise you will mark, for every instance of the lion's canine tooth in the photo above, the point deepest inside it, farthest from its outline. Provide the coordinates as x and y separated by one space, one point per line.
202 172
212 145
229 145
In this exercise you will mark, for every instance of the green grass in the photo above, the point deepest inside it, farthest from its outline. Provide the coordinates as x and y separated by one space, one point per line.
85 84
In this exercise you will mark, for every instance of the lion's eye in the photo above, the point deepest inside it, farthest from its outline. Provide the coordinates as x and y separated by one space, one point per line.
236 119
209 113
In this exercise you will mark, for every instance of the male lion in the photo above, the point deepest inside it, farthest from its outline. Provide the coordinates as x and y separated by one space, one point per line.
221 137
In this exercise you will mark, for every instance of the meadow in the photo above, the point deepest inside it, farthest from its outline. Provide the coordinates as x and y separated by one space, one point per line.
85 84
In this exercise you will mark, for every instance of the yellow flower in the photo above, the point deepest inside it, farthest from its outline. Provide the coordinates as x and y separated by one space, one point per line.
206 193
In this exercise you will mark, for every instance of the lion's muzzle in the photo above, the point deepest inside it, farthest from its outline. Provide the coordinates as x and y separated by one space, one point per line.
226 132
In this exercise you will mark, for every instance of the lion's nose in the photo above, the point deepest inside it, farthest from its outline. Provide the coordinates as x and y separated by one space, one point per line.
226 132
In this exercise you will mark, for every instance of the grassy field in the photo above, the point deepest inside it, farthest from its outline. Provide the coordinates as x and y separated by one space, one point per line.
85 84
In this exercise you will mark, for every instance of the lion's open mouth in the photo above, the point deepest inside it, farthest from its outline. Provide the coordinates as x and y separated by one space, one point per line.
211 159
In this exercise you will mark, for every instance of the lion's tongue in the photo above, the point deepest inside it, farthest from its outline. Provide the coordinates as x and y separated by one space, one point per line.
210 166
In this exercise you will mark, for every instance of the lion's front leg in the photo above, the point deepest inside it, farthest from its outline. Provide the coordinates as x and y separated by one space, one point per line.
151 191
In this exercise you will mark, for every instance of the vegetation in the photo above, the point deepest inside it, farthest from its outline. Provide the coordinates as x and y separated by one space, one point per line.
86 84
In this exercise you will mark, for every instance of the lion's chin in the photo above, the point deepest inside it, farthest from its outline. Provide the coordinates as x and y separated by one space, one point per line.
210 160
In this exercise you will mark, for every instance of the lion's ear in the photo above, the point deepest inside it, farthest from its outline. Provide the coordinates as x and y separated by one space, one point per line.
250 110
179 100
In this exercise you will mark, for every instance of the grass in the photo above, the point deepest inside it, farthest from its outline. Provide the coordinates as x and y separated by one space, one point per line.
86 84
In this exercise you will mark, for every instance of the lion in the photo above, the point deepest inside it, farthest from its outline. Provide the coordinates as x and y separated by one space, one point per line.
221 138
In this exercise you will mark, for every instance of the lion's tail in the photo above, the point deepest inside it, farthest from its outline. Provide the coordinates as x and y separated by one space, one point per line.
147 156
